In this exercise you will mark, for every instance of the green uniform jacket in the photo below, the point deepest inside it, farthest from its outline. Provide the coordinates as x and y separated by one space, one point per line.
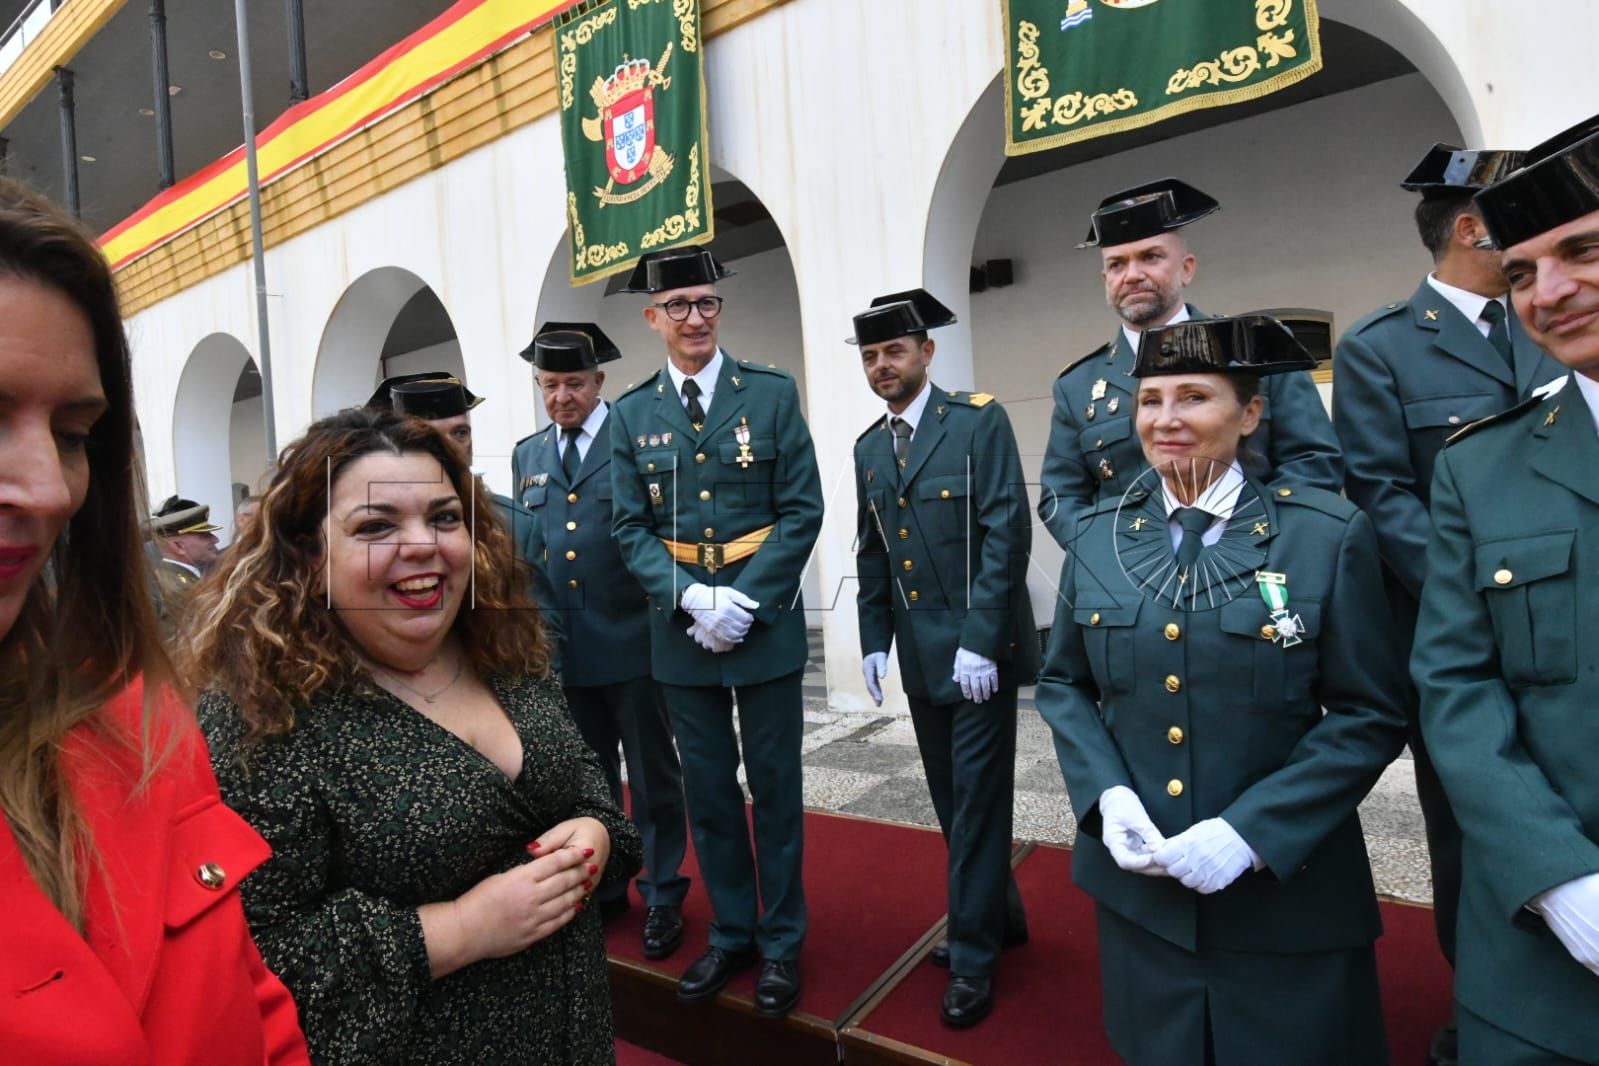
1408 377
675 483
943 548
1093 458
1507 663
1203 715
601 611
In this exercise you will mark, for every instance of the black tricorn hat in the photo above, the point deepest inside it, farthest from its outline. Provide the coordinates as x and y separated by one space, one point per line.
177 516
566 347
1146 211
1558 183
675 268
432 394
1248 344
899 314
1449 171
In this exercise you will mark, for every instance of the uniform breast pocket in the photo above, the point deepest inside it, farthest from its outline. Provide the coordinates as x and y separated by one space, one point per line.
658 472
1109 640
1531 589
941 507
535 497
1284 673
1111 451
744 482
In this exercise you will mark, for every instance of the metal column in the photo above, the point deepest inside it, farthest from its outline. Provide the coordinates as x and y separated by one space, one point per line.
163 97
69 140
257 239
299 76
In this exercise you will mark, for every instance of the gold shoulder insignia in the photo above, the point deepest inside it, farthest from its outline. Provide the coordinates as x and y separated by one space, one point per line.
980 399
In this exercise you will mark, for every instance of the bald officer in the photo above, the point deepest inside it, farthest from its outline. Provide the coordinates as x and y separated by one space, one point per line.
563 476
1093 452
1507 641
718 504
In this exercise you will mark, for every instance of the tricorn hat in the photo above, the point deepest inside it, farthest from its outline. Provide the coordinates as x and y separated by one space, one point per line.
1249 344
1449 171
899 314
177 516
1558 183
430 395
1146 211
564 347
675 268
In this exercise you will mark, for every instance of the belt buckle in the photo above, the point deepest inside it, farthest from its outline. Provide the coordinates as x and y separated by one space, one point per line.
712 557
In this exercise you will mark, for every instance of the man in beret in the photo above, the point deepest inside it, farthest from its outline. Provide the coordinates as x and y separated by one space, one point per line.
1093 452
563 477
943 536
718 504
1507 640
185 541
1409 376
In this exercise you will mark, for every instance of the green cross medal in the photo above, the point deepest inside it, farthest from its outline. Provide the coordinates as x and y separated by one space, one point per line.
1274 590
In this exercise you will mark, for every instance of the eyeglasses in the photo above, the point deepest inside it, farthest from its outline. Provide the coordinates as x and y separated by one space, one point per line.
677 310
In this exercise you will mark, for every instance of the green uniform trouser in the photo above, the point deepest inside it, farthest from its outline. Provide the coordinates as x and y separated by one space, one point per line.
771 720
1484 1044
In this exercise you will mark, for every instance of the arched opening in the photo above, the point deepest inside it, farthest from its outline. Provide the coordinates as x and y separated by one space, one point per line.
1312 217
389 321
218 428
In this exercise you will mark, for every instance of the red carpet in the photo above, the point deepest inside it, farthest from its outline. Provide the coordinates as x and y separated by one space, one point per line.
632 1055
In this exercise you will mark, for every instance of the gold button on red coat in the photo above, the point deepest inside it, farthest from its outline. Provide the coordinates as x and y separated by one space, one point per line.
211 876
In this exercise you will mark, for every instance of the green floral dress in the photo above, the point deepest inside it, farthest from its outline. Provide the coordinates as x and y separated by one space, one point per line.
373 810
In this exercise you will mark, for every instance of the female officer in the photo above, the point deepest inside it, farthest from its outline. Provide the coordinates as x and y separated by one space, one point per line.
1221 685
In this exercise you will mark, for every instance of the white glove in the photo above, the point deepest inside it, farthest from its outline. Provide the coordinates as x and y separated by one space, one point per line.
709 641
1207 856
978 677
1128 833
875 668
724 612
1572 911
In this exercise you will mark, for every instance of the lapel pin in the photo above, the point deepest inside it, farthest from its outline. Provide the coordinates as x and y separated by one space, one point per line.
1138 524
1115 402
737 384
1089 412
1259 530
1432 316
1106 471
1549 420
1098 392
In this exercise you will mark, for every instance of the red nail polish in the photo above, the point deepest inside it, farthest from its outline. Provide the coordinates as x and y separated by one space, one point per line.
593 869
577 908
588 885
534 846
588 853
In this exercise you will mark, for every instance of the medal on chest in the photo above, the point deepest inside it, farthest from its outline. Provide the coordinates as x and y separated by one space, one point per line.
742 435
1286 628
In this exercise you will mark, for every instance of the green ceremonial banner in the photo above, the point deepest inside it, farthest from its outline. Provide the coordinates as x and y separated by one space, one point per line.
633 130
1076 69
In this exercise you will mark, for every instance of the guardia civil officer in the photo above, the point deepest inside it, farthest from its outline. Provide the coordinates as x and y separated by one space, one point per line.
1145 262
184 543
1507 642
718 503
943 539
1224 690
563 476
1409 375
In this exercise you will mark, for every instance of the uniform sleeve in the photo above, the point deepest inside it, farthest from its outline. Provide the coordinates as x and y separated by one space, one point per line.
1287 814
1067 484
1000 502
632 526
772 574
1529 836
874 604
355 961
1068 699
1378 473
1304 448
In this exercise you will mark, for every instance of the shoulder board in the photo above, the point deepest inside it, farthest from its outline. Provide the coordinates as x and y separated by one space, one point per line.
1316 499
971 399
648 381
763 368
536 433
1507 415
1386 311
1080 360
874 426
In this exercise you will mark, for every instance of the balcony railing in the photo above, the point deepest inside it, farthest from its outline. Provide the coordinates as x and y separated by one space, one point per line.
24 29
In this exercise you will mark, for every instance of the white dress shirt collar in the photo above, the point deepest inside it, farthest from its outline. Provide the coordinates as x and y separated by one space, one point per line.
586 434
1466 302
913 412
705 379
1220 498
1590 392
1132 334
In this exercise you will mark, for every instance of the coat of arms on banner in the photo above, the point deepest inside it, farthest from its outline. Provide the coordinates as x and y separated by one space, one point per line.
626 124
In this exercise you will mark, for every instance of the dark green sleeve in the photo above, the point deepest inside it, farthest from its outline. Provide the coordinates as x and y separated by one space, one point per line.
874 604
1378 473
1067 484
1304 448
1001 512
355 962
1287 814
632 526
1507 808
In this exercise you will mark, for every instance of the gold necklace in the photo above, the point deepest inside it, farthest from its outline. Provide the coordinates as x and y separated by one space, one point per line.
460 662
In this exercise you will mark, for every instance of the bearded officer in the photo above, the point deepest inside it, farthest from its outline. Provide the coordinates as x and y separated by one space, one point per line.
563 476
1508 638
944 534
1409 376
718 503
1093 452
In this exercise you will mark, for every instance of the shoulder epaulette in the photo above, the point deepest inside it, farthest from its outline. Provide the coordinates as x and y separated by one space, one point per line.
1316 499
1378 315
971 399
874 426
536 433
650 380
764 368
1080 360
1507 415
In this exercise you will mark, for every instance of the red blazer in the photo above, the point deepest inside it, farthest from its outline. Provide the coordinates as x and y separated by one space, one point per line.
166 973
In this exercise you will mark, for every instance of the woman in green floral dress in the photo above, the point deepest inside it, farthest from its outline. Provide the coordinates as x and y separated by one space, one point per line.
380 707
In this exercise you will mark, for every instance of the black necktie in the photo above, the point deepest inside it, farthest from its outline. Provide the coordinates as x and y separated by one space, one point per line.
1194 520
570 460
1498 330
902 441
691 393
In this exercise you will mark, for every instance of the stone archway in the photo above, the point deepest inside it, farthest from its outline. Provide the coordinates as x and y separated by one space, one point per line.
389 321
218 434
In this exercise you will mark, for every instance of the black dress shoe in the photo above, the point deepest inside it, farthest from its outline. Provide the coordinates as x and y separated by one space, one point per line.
967 1001
1444 1048
778 987
612 909
939 956
711 971
663 931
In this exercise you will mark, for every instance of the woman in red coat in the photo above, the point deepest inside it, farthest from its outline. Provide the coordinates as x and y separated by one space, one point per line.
122 939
